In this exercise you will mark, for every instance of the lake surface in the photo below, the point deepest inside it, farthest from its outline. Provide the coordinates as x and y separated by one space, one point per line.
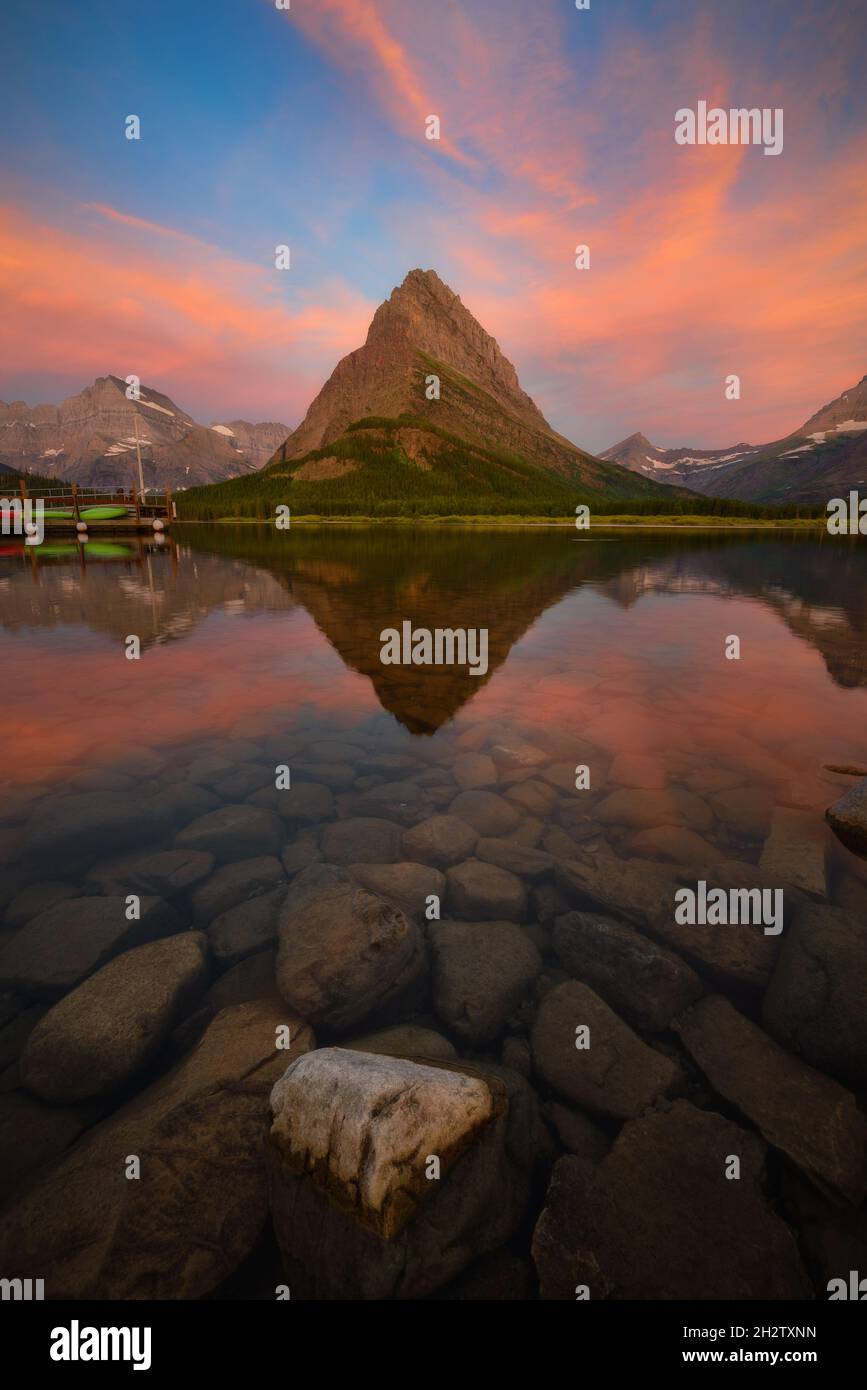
618 640
261 650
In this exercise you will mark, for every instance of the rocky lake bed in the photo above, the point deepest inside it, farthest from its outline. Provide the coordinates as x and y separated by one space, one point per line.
423 1023
325 979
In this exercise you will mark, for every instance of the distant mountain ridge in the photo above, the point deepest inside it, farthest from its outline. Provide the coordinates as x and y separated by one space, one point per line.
90 438
824 458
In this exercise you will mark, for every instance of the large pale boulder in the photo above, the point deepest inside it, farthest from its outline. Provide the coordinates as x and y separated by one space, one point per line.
389 1176
199 1206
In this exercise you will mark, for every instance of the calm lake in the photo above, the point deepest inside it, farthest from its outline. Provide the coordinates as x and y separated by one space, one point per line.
261 650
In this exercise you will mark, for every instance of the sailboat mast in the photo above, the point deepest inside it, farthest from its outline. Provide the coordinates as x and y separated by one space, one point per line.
141 485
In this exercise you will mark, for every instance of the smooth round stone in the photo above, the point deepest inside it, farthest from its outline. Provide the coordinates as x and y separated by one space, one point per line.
472 770
409 885
402 802
440 841
642 810
361 840
234 832
675 843
233 884
481 972
406 1040
482 892
39 897
486 812
109 1028
306 803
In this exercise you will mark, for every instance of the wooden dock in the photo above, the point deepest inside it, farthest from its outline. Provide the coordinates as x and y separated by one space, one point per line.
146 512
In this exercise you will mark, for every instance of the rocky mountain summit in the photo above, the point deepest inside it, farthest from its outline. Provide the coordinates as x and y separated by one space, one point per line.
424 331
91 439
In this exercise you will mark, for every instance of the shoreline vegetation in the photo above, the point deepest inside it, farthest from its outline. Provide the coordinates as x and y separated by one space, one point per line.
629 521
407 469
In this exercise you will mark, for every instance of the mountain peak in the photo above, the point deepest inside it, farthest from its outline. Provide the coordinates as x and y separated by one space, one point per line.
422 329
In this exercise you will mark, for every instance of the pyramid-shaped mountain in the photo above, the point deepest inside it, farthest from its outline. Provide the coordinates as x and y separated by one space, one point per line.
474 422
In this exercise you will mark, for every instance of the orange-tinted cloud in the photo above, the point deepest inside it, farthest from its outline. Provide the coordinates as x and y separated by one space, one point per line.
113 293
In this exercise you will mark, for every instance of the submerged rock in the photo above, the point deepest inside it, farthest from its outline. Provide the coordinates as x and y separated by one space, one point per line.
616 1075
813 1120
405 1040
644 809
640 979
848 818
61 947
409 885
481 972
163 873
72 829
248 927
344 953
361 840
794 851
234 832
32 1135
516 858
30 902
405 803
440 841
107 1030
235 883
486 812
815 1003
472 770
200 1204
658 1219
358 1211
482 892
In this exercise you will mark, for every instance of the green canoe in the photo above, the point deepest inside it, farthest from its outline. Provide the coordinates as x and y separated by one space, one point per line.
103 513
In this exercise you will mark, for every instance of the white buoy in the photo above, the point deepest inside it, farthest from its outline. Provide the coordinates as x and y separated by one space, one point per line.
158 525
81 527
